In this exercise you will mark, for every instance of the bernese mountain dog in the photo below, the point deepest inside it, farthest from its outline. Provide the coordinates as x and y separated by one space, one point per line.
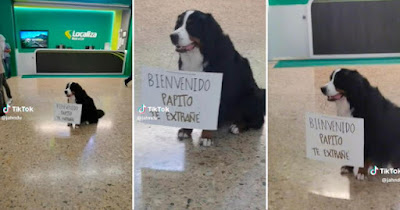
202 46
76 94
355 97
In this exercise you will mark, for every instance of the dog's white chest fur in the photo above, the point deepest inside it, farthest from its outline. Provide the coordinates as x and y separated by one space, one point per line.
72 99
343 108
192 60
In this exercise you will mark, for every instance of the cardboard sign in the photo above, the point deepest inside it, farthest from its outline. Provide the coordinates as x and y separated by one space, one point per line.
335 139
180 99
69 113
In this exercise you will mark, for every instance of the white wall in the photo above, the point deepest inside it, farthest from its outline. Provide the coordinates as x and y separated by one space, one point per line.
26 63
125 20
288 32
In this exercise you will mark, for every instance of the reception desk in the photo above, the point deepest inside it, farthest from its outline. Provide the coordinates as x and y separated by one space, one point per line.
69 61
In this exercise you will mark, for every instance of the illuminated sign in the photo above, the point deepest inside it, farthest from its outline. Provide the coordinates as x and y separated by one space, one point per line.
79 36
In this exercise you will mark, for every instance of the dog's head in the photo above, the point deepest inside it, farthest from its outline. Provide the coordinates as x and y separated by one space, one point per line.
195 29
72 89
345 83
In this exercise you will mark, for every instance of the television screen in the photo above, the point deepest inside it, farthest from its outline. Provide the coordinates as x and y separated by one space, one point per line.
34 39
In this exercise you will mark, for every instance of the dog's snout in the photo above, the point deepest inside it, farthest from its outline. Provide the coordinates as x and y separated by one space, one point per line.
174 38
66 92
323 90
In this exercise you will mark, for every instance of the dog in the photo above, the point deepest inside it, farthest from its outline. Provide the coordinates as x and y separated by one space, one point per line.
203 47
76 94
355 97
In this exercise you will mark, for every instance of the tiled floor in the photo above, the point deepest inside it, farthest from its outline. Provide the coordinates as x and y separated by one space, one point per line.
173 174
46 164
299 183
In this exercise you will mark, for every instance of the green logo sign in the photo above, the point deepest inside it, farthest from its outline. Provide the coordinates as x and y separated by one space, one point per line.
79 36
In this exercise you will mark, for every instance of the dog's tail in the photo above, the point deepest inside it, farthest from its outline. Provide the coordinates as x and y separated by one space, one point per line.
100 113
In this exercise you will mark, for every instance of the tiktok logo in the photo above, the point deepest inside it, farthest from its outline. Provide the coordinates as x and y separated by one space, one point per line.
374 171
142 109
6 109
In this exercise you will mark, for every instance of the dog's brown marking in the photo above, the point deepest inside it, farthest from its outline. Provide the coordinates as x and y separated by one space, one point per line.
341 91
364 170
196 41
206 134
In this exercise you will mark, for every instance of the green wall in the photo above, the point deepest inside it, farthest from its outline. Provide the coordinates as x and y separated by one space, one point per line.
58 21
7 29
287 2
128 57
125 2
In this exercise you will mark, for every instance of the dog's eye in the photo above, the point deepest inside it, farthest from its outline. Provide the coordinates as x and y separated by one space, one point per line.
188 22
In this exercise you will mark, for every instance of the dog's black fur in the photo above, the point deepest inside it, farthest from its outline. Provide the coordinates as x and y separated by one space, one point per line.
90 113
381 118
242 101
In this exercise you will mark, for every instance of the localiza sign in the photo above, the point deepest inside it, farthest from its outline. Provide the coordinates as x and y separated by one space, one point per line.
78 35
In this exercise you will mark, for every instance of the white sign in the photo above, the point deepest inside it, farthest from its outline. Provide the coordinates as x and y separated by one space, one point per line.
180 99
69 113
335 139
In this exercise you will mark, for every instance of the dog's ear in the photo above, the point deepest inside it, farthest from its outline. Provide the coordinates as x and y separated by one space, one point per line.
212 32
179 20
359 85
76 88
79 92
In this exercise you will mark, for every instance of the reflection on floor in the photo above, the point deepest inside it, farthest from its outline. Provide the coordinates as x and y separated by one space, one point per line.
173 174
298 183
46 164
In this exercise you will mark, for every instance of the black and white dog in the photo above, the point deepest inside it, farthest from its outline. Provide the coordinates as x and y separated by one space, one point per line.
75 94
355 97
202 46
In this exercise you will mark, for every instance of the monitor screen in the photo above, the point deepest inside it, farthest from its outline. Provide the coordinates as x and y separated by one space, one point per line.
34 39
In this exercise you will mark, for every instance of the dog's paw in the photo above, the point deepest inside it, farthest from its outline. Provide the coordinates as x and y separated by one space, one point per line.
205 142
361 176
234 129
69 124
184 133
346 170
